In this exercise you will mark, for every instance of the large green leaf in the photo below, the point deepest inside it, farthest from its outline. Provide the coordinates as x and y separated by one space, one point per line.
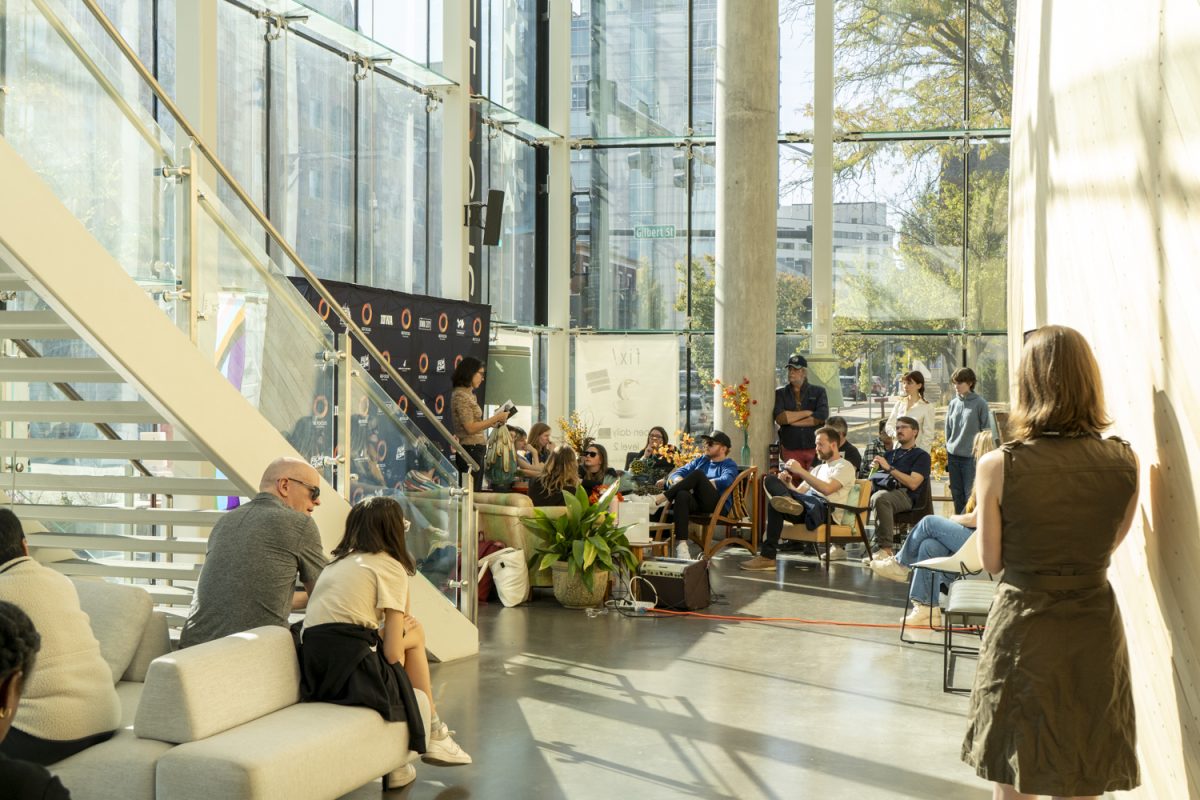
589 554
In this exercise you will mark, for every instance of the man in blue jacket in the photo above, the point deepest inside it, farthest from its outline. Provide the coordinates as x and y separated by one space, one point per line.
967 415
696 487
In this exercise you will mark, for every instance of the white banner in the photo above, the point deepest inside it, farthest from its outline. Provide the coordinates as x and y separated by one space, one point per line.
625 385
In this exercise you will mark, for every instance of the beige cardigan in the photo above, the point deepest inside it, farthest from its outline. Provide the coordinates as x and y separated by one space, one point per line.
70 694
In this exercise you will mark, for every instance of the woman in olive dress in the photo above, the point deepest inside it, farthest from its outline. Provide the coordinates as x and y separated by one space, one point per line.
1052 707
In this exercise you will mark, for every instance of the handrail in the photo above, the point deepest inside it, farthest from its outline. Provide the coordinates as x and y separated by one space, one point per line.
351 326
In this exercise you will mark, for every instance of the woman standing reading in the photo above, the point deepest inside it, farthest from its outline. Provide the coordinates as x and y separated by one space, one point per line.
1052 709
466 417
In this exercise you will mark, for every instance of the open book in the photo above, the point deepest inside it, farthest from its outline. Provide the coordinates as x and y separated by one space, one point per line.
509 407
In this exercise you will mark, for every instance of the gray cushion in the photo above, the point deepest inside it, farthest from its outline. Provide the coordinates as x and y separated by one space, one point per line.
200 691
306 750
118 616
123 768
156 641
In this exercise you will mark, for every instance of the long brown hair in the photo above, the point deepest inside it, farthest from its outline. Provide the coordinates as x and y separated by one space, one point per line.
376 525
1058 387
918 378
535 433
562 471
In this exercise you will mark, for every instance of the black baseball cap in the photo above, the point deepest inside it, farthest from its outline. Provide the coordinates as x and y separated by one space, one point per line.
719 437
797 361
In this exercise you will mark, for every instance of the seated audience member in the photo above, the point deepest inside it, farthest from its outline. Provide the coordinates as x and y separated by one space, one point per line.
897 484
358 614
800 408
594 470
423 476
696 487
656 438
69 702
19 643
799 495
848 451
878 446
525 469
539 444
933 537
254 554
560 475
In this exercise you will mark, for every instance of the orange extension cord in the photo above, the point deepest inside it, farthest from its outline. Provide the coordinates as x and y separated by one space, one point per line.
791 619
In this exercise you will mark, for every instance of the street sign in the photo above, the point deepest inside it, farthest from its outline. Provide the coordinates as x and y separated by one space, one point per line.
654 232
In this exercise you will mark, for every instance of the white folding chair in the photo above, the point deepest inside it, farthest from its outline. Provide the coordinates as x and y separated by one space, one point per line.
958 565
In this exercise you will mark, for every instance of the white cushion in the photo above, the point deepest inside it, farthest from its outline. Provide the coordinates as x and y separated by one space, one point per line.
118 617
156 641
212 687
307 750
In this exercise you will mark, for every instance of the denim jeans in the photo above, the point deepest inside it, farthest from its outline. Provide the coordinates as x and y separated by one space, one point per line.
933 537
962 479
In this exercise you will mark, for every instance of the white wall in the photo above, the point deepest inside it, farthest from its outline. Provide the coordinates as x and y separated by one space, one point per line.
1105 237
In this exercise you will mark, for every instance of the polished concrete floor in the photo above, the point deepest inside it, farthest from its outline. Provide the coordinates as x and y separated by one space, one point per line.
560 704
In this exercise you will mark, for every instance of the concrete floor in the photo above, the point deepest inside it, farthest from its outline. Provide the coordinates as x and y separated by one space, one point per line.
562 705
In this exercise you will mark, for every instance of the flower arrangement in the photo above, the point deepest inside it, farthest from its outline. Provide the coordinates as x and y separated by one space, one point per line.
600 489
737 399
576 431
682 453
938 456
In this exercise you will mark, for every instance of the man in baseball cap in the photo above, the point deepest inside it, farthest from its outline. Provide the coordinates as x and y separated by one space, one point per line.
800 408
696 487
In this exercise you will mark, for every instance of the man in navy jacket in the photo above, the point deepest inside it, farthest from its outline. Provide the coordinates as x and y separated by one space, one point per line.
696 487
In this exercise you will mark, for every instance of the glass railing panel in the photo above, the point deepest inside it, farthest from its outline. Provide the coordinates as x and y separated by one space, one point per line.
75 117
390 456
264 338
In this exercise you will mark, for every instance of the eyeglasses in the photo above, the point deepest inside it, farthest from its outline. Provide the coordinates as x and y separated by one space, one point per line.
313 491
592 454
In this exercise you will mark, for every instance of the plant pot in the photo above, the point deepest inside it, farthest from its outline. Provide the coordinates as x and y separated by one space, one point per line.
571 592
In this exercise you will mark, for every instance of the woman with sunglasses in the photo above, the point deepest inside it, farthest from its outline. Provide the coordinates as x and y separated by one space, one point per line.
593 467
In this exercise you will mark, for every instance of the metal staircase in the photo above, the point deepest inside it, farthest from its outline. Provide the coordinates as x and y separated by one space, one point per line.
155 356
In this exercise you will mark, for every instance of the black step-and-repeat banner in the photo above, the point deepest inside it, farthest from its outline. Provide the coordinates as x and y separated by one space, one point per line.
423 337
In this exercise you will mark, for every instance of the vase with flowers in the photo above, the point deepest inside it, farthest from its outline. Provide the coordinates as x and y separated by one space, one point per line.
736 398
577 431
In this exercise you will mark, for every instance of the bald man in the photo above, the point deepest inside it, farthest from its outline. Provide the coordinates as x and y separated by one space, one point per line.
254 555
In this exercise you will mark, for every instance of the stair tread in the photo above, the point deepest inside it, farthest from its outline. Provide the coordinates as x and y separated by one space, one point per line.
119 542
58 370
112 411
121 484
117 514
33 325
117 449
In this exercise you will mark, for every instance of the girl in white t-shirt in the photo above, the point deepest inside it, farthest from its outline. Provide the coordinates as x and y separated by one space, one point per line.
914 405
366 585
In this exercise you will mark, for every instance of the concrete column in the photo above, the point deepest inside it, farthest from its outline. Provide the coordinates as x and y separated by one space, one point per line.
747 128
558 372
457 52
822 363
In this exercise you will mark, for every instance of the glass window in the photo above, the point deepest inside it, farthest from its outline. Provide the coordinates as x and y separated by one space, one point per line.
312 156
630 238
241 105
392 186
992 44
898 65
636 54
987 236
912 196
509 265
340 11
793 236
796 21
510 54
402 26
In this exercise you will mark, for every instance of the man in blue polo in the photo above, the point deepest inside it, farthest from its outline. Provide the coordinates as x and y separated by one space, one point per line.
800 408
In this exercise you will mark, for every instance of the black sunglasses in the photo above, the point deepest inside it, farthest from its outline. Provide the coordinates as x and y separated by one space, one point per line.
591 454
313 491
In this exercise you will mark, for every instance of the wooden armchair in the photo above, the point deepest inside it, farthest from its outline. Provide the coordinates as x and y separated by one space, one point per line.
833 532
743 514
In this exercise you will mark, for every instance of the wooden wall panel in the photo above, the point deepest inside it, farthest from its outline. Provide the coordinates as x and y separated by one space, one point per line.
1105 236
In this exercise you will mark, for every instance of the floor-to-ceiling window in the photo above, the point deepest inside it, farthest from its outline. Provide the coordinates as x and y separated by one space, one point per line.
921 112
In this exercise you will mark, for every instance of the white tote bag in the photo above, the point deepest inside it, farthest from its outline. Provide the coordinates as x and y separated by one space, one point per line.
635 512
509 573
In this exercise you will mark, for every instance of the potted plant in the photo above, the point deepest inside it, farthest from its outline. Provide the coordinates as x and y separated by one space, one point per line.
581 547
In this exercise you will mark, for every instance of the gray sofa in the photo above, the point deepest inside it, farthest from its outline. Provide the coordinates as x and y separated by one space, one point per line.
220 720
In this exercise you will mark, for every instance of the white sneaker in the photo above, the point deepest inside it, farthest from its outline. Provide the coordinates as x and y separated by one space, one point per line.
443 751
683 550
891 569
924 616
869 560
399 778
836 553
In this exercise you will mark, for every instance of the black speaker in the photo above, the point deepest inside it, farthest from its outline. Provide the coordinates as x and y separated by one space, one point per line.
495 216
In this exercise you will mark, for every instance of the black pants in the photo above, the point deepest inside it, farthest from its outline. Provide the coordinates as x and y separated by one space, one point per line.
695 494
775 519
24 747
477 452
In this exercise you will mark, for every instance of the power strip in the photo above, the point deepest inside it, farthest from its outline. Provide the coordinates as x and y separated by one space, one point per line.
640 607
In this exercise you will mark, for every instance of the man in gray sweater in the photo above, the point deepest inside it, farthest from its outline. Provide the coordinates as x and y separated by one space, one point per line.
254 555
967 415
